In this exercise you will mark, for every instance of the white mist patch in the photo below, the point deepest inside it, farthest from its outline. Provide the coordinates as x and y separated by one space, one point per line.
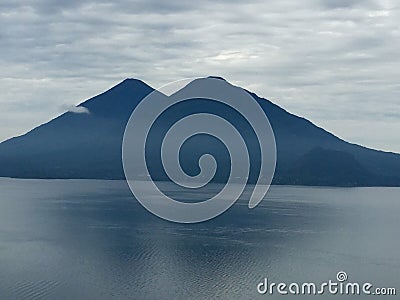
77 109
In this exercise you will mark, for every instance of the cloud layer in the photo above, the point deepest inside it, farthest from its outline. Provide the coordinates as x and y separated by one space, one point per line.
334 62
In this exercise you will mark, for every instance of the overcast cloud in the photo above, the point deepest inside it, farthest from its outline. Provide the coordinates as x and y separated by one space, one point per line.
334 62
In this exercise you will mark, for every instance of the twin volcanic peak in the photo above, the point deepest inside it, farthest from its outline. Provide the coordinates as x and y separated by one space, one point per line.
89 146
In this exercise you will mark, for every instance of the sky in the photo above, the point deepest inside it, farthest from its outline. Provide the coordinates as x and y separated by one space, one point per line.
334 62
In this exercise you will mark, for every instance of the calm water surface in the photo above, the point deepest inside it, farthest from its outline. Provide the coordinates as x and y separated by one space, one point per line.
80 239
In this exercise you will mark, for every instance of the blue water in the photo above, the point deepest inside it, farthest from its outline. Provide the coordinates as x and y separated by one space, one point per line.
82 239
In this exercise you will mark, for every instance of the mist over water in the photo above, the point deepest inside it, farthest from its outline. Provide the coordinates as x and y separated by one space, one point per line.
87 239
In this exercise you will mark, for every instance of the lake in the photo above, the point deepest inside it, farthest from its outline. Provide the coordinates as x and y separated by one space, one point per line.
88 239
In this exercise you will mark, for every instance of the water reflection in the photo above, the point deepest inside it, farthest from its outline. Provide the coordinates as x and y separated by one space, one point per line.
89 239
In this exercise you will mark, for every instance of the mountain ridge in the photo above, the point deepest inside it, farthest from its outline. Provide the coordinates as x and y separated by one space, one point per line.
76 145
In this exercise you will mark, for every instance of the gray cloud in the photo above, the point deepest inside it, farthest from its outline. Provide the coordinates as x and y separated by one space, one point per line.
335 4
334 62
